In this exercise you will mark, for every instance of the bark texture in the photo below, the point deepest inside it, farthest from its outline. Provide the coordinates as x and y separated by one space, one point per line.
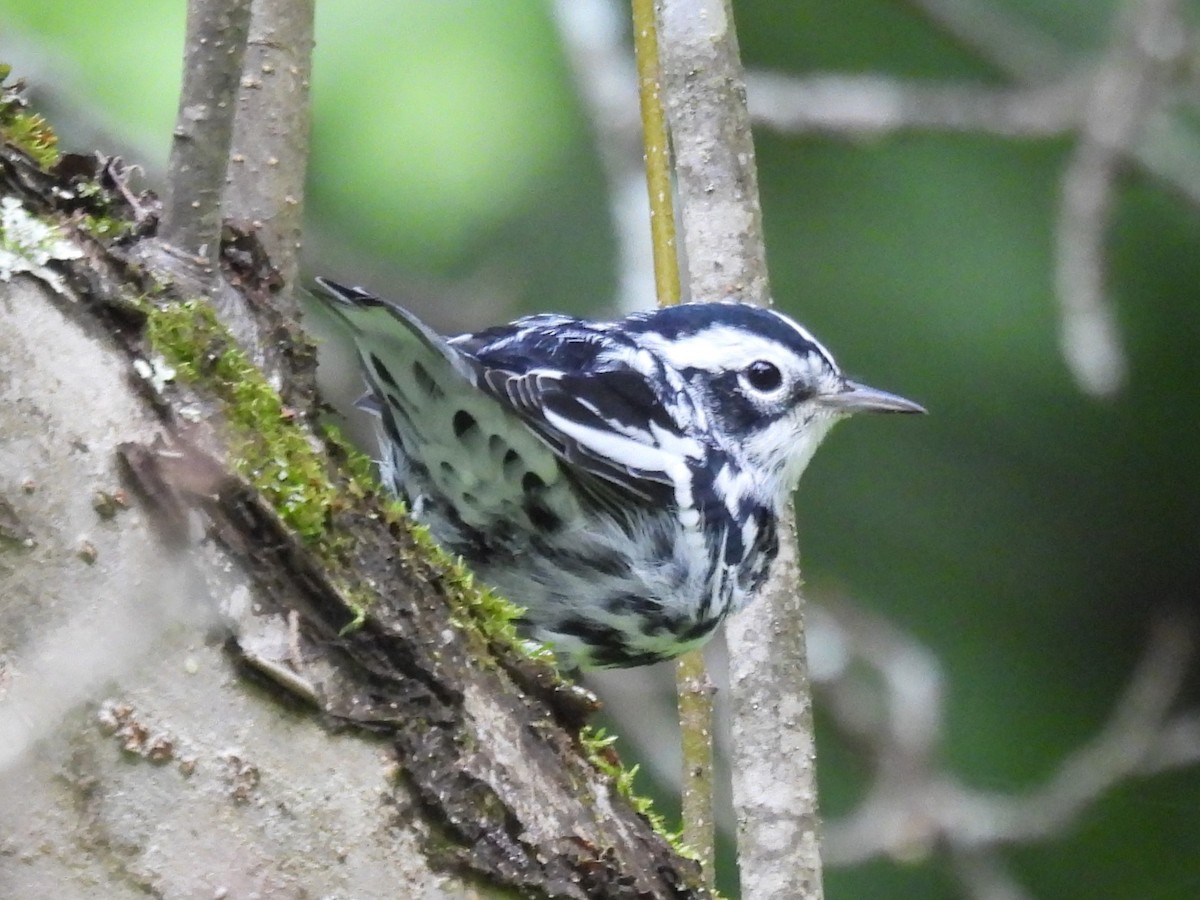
270 139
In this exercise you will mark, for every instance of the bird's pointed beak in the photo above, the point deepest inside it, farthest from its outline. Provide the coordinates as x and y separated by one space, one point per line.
855 398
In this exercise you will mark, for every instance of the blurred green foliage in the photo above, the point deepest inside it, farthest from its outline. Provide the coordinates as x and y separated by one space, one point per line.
1023 531
451 122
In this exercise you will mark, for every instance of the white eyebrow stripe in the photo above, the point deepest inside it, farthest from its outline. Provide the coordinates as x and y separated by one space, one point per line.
722 347
806 334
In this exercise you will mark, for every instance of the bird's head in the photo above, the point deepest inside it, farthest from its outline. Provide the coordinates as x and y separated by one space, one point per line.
771 391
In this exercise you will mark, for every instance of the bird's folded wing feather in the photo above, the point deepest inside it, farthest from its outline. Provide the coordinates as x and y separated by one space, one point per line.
608 423
476 451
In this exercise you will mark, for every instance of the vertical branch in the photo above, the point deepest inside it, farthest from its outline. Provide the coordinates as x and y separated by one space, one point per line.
271 130
774 776
658 154
692 687
240 150
773 740
694 696
1125 91
705 92
212 62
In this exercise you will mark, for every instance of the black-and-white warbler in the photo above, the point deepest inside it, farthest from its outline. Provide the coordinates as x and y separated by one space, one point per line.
621 481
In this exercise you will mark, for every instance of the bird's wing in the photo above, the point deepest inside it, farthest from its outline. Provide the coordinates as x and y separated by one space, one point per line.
610 423
452 437
515 400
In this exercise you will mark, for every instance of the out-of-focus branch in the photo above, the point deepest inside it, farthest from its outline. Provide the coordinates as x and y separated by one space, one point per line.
984 876
875 105
1127 87
988 30
597 48
1177 745
1120 107
913 806
1027 57
215 44
1123 119
1118 752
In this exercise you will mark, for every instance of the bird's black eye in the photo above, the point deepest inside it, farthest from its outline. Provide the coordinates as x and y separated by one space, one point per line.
764 376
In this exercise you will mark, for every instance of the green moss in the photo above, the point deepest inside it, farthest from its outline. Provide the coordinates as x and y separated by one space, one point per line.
357 464
94 209
266 446
271 451
492 615
359 602
23 129
105 228
98 220
598 744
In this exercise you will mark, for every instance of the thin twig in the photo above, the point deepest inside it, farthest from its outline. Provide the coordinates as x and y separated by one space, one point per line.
658 154
692 686
694 695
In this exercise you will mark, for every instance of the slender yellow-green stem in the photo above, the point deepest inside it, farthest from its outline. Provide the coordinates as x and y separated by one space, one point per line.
658 154
692 686
694 697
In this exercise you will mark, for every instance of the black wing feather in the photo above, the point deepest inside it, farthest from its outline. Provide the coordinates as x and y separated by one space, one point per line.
606 420
585 417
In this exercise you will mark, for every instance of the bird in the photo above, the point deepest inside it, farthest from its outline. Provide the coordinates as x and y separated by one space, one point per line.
621 482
